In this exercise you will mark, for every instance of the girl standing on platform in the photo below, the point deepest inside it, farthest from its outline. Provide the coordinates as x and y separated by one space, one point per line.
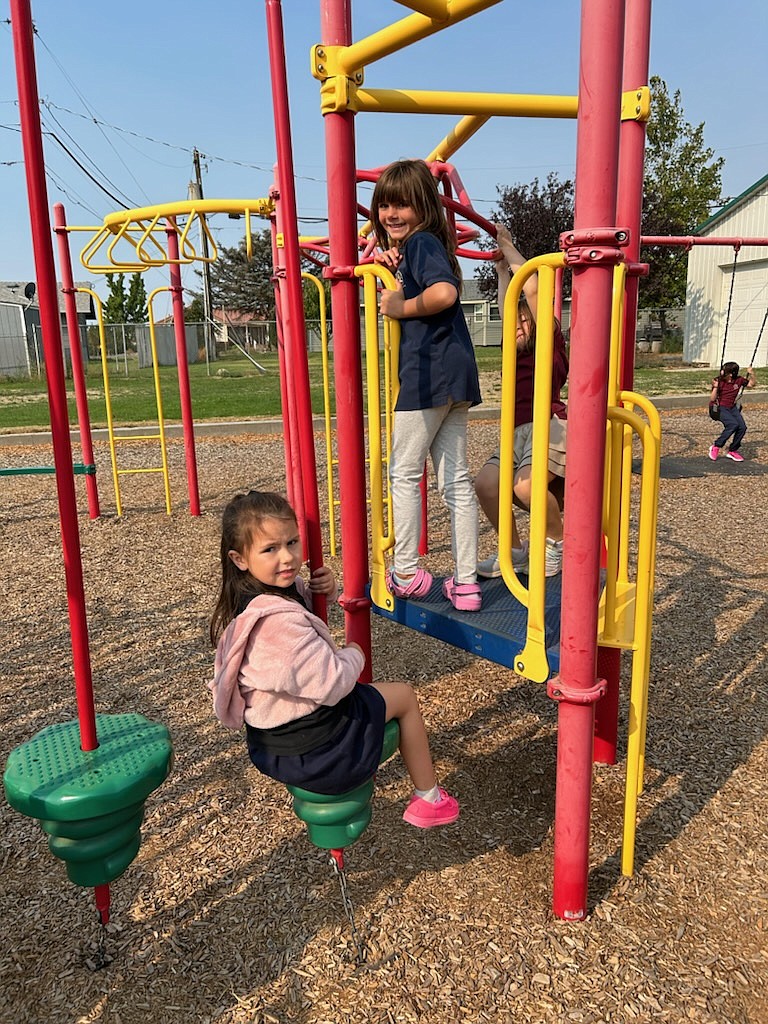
308 722
438 377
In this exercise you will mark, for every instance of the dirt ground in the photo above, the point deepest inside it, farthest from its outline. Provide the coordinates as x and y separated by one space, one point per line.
229 915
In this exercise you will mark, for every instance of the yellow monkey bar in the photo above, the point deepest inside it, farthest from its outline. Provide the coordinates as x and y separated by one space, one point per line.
141 230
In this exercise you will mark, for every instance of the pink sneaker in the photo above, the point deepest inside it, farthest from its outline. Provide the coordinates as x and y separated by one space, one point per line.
465 597
423 814
714 451
416 587
736 456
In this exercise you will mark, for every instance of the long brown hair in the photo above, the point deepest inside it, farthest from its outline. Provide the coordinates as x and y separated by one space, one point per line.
241 519
411 183
524 310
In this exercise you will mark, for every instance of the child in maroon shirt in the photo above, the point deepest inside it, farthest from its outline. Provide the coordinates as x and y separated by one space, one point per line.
726 390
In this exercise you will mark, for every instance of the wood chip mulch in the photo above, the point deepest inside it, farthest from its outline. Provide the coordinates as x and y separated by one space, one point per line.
229 915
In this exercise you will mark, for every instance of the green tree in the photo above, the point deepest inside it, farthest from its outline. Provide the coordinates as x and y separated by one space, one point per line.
136 302
682 184
194 312
116 304
536 215
242 284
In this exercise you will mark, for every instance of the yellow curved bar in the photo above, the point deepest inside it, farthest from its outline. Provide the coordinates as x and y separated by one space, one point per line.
532 662
98 306
88 254
630 398
188 207
643 614
159 397
139 227
329 461
382 540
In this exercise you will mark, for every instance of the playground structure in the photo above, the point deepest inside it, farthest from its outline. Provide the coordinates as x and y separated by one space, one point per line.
602 254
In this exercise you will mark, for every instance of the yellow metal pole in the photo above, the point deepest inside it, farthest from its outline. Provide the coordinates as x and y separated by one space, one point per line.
425 101
382 540
159 397
107 397
332 502
532 662
400 34
456 138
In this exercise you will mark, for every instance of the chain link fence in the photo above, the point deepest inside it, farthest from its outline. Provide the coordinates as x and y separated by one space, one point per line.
129 351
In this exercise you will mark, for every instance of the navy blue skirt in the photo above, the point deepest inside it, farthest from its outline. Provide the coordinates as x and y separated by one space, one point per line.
345 762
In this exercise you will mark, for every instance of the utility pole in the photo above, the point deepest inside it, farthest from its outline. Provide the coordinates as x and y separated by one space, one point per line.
195 191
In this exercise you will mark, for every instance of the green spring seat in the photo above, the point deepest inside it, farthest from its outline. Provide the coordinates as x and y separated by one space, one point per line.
90 802
335 822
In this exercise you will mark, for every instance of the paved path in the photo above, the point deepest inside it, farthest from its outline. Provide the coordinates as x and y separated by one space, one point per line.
275 426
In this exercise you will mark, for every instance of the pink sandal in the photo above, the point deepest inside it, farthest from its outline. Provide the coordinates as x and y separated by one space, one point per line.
419 586
465 597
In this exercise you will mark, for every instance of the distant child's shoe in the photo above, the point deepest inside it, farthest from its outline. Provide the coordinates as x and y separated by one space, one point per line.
553 558
418 586
465 597
736 456
714 451
423 814
490 568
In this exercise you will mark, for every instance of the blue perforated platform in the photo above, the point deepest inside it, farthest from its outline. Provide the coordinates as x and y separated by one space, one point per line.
497 632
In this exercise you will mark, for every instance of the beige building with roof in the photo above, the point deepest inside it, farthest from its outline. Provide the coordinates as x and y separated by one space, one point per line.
713 281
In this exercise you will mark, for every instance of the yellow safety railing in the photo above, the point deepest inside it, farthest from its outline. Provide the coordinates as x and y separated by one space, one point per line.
625 611
142 230
330 462
379 442
532 661
115 439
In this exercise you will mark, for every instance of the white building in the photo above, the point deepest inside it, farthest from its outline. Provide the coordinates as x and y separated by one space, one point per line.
710 275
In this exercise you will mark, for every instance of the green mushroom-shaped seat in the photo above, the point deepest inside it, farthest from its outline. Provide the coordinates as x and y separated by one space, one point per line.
90 802
335 822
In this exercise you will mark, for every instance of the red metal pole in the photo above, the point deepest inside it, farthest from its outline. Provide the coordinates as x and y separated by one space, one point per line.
78 374
592 256
291 434
637 33
293 308
185 396
34 166
629 204
336 30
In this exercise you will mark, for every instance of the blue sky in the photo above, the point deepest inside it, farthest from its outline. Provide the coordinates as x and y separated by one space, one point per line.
131 89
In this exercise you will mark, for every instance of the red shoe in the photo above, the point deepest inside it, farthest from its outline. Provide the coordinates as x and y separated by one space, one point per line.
423 814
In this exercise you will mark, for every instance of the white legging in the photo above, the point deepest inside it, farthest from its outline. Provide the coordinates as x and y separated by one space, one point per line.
441 432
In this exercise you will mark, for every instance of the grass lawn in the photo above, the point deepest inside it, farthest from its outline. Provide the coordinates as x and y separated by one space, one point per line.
233 388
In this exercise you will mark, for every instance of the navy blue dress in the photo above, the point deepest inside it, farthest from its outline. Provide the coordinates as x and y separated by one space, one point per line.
437 361
330 751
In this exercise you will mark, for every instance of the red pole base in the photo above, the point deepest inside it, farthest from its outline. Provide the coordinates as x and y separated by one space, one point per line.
101 892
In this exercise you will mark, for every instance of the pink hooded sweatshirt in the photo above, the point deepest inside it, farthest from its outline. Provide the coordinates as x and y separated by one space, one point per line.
277 662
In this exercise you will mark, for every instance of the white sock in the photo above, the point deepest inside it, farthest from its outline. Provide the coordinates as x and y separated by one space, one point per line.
430 795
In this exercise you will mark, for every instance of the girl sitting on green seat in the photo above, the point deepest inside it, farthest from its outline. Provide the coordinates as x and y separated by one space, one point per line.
308 721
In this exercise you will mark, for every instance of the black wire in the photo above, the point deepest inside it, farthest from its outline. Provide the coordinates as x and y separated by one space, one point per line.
88 174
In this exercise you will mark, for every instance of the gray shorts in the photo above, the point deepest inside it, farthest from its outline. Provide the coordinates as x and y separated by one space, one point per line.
524 447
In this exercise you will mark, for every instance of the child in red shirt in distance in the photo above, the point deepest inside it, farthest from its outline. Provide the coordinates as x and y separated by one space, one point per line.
726 390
